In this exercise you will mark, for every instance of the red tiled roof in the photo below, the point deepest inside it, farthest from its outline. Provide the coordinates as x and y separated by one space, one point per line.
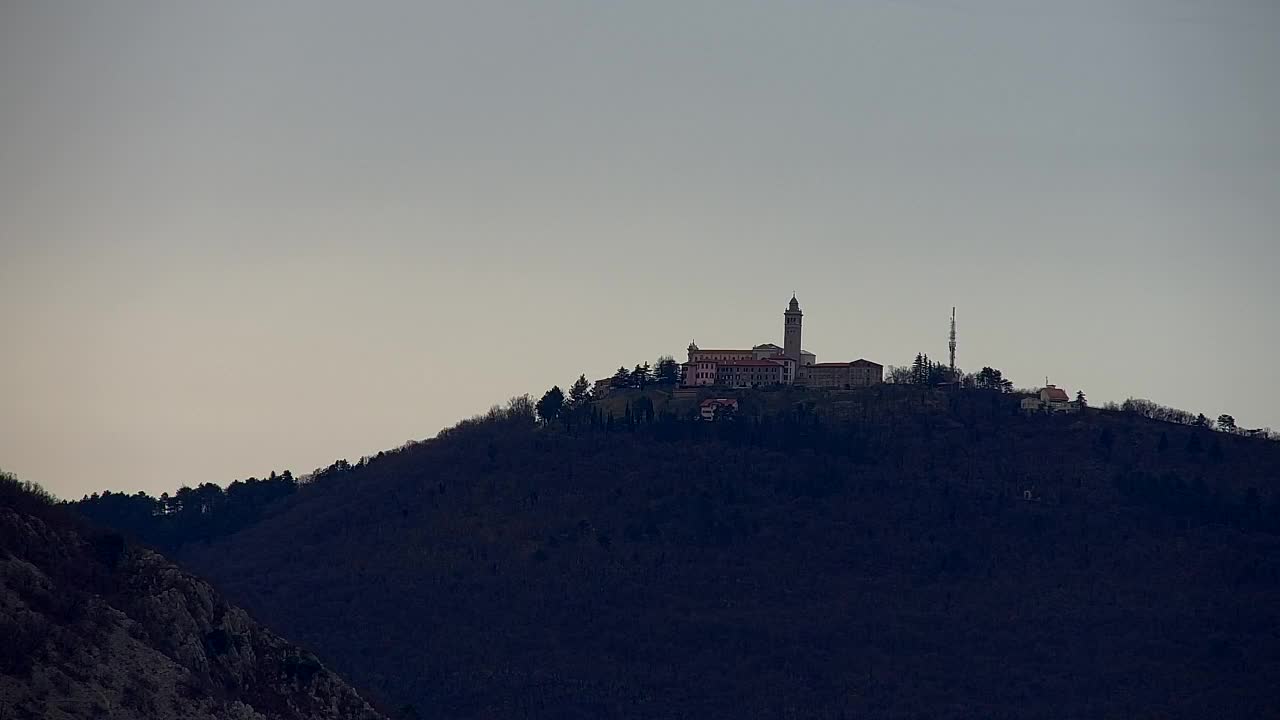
1056 394
855 363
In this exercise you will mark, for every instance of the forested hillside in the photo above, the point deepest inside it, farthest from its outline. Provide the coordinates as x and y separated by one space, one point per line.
893 553
190 514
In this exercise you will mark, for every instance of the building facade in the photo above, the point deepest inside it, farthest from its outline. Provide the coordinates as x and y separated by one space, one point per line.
837 375
770 364
751 373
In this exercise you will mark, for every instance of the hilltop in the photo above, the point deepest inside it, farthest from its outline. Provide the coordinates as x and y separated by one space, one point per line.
892 552
96 627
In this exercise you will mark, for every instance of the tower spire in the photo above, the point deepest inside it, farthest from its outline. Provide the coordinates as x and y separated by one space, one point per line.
952 344
791 320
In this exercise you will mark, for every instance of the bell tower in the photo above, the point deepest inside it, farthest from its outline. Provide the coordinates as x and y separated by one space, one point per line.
791 331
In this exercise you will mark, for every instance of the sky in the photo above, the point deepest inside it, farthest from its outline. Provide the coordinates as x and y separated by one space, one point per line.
247 236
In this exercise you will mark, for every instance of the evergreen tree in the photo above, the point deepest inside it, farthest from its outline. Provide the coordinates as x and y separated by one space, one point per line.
641 376
920 370
667 371
991 379
643 410
1080 399
621 379
938 374
551 403
579 393
1226 423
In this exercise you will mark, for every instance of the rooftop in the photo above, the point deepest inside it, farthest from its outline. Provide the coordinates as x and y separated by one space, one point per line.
1056 394
750 363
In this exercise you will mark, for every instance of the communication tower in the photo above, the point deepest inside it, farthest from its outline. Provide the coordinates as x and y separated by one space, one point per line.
952 344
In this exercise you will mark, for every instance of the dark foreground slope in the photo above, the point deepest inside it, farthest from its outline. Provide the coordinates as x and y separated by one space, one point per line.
883 564
92 627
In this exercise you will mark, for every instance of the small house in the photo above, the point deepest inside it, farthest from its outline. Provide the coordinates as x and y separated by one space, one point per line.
1051 399
713 408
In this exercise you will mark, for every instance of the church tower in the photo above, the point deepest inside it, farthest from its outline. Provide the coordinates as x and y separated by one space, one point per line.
791 331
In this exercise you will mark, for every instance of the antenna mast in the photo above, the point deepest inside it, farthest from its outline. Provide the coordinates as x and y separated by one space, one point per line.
953 343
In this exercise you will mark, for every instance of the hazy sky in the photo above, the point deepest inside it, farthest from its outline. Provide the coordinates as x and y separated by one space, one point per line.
245 236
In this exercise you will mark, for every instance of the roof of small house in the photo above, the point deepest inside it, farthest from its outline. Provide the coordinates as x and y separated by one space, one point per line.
1056 394
718 401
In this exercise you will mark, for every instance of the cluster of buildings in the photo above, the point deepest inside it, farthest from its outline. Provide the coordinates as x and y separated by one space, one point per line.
769 364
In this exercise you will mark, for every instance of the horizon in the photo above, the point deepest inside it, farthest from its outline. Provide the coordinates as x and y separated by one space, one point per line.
239 239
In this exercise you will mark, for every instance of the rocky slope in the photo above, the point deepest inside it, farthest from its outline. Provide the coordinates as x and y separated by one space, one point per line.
94 627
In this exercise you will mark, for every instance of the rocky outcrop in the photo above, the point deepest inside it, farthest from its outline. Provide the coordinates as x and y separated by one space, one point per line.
93 627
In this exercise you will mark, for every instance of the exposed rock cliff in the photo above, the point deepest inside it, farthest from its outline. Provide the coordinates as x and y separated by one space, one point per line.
93 627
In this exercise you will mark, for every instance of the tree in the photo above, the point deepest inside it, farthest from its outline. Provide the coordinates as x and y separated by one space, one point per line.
920 369
938 374
551 403
642 410
1202 421
1156 411
641 376
520 408
579 393
578 405
1226 423
667 371
991 379
1080 399
621 379
898 374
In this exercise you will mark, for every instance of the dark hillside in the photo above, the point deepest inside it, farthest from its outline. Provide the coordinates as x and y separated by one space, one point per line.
92 626
894 553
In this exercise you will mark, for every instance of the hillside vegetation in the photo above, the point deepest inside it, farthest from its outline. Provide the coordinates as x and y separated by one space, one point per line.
896 553
92 626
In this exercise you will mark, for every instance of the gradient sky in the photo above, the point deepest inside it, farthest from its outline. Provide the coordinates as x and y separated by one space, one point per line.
244 236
